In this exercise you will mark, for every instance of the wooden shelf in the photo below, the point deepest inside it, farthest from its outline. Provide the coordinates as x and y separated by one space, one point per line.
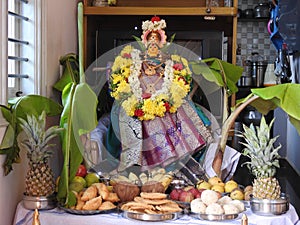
193 11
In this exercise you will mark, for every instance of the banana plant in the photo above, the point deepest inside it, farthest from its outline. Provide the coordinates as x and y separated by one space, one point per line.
226 75
20 108
79 102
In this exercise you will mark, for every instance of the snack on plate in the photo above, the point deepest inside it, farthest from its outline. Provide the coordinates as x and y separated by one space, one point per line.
107 205
210 204
159 204
95 197
239 204
89 193
93 204
197 206
209 197
153 195
224 200
214 209
230 209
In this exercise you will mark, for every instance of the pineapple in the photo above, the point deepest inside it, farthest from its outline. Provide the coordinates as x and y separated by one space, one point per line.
259 147
40 178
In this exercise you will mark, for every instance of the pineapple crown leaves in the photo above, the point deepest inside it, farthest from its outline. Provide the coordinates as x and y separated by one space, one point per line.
36 138
259 147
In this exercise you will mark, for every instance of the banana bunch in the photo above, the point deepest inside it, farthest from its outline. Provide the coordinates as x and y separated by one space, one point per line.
155 175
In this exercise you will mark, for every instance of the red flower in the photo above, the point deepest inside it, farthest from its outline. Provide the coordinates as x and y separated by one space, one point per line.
127 55
146 95
138 113
178 66
181 78
167 106
155 18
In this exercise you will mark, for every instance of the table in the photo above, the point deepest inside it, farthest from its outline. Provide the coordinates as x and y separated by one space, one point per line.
59 217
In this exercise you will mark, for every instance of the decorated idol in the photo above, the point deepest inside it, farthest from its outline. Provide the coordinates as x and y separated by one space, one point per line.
156 122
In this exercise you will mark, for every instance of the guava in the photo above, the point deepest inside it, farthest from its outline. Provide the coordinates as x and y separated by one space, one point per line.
76 186
79 179
91 178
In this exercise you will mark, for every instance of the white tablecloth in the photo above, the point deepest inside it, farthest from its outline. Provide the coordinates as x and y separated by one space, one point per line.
59 217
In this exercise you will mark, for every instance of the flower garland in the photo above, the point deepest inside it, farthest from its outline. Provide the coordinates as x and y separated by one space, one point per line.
126 87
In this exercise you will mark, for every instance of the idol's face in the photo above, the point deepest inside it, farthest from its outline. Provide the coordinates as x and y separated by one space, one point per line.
153 49
153 37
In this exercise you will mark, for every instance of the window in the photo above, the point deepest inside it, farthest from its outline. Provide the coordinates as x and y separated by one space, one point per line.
20 47
17 54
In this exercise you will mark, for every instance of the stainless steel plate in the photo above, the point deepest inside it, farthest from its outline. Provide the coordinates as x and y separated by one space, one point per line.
151 217
86 212
213 217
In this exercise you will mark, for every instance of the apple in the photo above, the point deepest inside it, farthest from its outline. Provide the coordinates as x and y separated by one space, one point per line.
186 196
81 171
194 191
175 193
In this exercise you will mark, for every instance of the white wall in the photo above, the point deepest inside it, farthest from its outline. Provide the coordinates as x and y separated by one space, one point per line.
59 37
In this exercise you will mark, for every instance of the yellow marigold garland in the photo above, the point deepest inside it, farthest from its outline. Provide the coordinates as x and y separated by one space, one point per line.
125 86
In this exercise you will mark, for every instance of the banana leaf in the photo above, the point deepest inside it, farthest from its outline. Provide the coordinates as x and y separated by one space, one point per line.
222 73
70 72
19 108
78 118
284 96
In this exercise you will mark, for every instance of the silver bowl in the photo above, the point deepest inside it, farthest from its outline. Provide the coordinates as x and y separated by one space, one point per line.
266 207
39 202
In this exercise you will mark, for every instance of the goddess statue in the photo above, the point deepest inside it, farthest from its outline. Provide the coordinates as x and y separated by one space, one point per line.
154 119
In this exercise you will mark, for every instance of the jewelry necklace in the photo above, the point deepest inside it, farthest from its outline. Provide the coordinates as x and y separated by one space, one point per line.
151 70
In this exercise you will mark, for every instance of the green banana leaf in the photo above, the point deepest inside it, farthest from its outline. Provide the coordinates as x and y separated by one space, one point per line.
222 73
78 118
19 108
70 72
284 96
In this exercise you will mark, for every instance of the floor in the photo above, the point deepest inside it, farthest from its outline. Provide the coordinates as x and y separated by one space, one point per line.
288 178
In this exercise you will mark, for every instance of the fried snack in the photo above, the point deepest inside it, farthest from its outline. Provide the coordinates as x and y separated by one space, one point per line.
102 190
107 205
168 208
151 201
93 204
153 195
89 193
136 205
79 203
112 197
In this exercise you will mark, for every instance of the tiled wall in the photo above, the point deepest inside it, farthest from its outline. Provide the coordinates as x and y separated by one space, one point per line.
252 36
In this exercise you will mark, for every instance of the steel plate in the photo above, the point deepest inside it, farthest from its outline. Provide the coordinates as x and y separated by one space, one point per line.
213 217
86 212
150 217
